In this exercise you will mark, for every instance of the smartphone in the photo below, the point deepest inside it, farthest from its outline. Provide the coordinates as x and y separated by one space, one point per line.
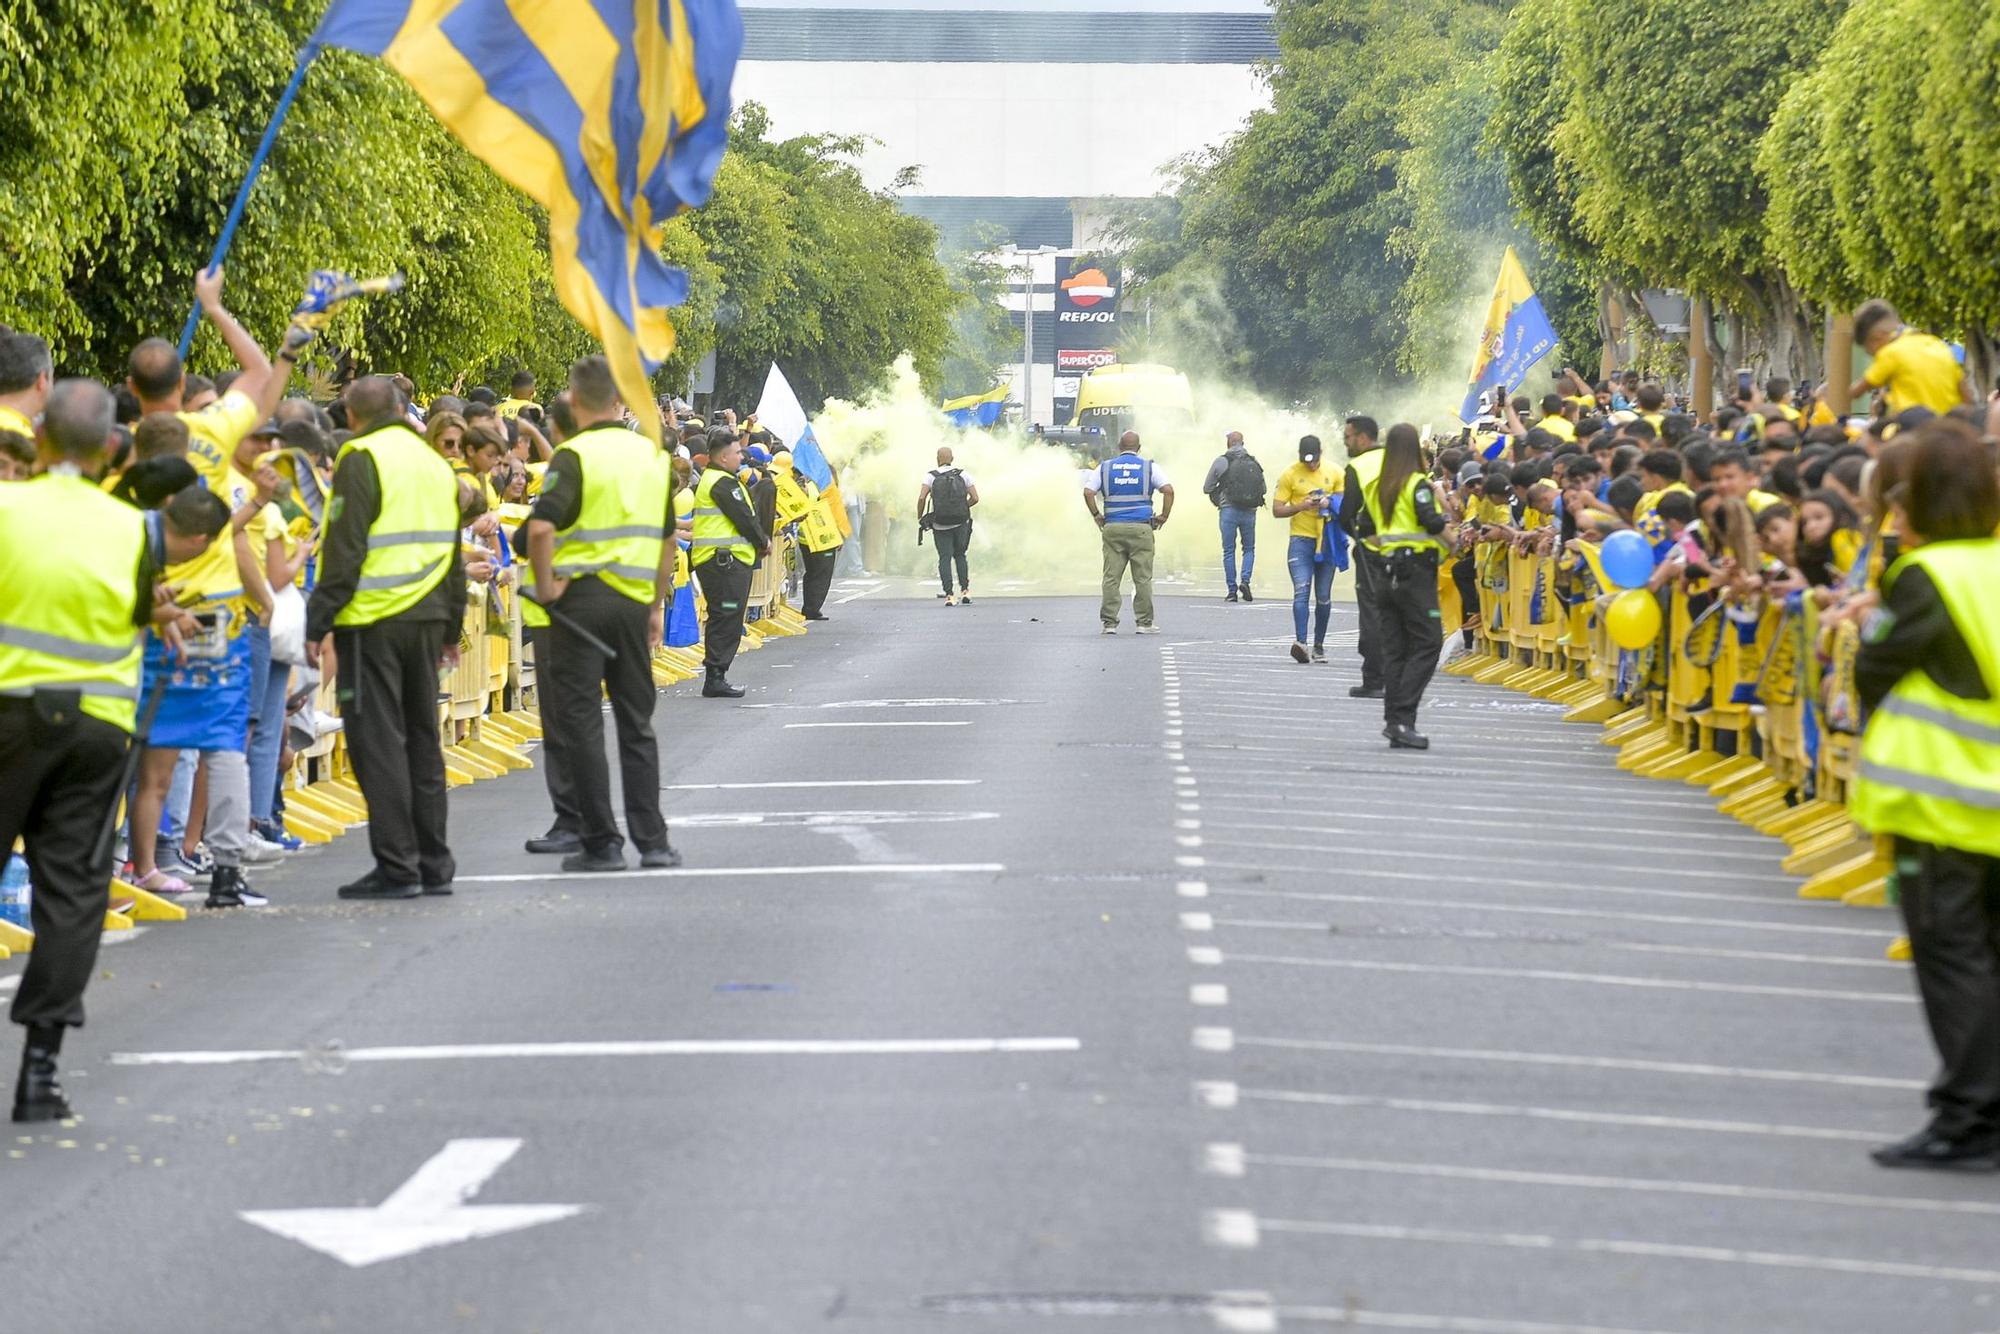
1743 381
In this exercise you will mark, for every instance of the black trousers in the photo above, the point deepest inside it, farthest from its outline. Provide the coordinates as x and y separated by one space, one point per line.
584 675
1951 907
1368 643
555 740
1406 617
60 789
819 578
388 683
1465 574
725 585
951 545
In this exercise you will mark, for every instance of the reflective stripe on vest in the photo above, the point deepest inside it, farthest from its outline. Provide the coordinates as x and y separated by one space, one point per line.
415 532
1930 761
620 531
713 530
1125 484
66 605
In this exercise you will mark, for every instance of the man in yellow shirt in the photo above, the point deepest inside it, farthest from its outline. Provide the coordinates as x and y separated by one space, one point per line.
521 394
1729 475
157 377
1306 495
1917 369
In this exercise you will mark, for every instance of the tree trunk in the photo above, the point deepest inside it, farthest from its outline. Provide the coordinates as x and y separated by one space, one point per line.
1701 360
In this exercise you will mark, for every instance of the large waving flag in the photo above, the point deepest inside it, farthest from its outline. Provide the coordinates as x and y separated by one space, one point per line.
1518 334
977 409
780 412
611 114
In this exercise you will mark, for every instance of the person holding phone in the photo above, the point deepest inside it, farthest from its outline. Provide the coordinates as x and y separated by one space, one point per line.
1308 494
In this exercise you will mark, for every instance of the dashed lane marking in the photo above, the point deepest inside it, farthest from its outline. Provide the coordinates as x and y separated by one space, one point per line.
713 872
1563 1115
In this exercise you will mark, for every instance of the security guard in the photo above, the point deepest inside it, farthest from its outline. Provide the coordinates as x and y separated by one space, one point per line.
391 593
1126 485
819 532
565 835
70 612
727 542
1929 673
1393 516
1361 438
603 569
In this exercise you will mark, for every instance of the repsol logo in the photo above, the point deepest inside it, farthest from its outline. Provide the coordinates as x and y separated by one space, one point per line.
1087 317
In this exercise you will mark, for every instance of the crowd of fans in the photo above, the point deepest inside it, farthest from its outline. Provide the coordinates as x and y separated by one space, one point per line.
235 476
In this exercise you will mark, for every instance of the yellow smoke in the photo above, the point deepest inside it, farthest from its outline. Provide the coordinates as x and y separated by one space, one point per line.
1030 529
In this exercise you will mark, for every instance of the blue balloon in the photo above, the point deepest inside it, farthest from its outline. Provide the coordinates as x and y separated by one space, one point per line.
1628 559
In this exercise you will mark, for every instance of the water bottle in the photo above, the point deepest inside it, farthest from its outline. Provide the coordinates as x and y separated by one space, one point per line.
14 892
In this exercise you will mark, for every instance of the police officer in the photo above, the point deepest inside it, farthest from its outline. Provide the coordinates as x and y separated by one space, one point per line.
1928 671
70 612
603 569
727 540
1392 513
1361 438
565 834
1126 485
391 594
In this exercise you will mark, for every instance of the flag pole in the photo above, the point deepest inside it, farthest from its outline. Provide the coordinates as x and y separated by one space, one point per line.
306 54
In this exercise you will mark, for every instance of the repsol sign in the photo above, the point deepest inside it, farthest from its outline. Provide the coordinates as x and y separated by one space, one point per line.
1086 317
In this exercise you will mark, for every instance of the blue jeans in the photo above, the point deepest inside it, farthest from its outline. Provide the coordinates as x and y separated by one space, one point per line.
268 682
1238 521
1309 580
180 796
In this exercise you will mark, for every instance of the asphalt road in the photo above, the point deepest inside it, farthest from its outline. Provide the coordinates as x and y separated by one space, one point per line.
1022 978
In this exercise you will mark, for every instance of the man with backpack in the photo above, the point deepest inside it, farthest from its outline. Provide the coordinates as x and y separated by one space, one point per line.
951 496
1236 485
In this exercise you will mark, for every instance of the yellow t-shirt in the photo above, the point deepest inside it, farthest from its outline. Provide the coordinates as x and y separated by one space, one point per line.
1562 428
511 407
1759 501
1298 482
1918 370
266 528
214 433
1651 500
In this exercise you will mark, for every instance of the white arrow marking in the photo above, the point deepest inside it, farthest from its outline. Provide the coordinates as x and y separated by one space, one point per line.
428 1210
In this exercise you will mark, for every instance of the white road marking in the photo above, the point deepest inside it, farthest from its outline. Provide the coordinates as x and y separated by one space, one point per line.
1211 994
821 819
1671 840
1695 1069
710 872
1593 979
1564 1115
9 983
938 703
1213 1039
1446 1324
426 1211
1192 889
1531 910
1188 840
1349 799
824 782
858 593
1223 1160
1233 1229
1187 824
1636 1185
1218 1094
497 1051
1496 882
1769 857
1204 956
1611 1246
1190 861
929 722
1197 921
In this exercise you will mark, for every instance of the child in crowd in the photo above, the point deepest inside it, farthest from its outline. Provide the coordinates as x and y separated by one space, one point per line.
1829 538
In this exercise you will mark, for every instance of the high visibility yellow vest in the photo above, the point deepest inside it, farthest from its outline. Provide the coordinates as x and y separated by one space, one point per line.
713 531
66 604
1930 761
1399 531
818 528
621 526
414 537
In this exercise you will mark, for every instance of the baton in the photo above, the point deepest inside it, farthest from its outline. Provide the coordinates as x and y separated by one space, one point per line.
569 623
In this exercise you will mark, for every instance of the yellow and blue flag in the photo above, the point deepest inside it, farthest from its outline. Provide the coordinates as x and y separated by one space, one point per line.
1517 335
611 114
977 409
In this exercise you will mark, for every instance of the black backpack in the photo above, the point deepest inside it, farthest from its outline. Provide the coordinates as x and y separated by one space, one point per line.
950 506
1242 483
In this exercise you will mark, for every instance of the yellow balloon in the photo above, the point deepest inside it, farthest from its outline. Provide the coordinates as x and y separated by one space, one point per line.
1633 619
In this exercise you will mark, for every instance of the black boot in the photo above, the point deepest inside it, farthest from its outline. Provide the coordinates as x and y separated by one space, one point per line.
228 889
556 840
37 1094
717 686
1404 737
1365 692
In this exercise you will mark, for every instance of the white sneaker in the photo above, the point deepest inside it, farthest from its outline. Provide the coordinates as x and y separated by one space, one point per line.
261 851
1147 630
1110 629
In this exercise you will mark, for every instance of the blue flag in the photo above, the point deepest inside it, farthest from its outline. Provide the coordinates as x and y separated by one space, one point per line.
1517 335
611 114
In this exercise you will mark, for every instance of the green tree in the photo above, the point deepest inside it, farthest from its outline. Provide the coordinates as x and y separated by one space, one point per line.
983 337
